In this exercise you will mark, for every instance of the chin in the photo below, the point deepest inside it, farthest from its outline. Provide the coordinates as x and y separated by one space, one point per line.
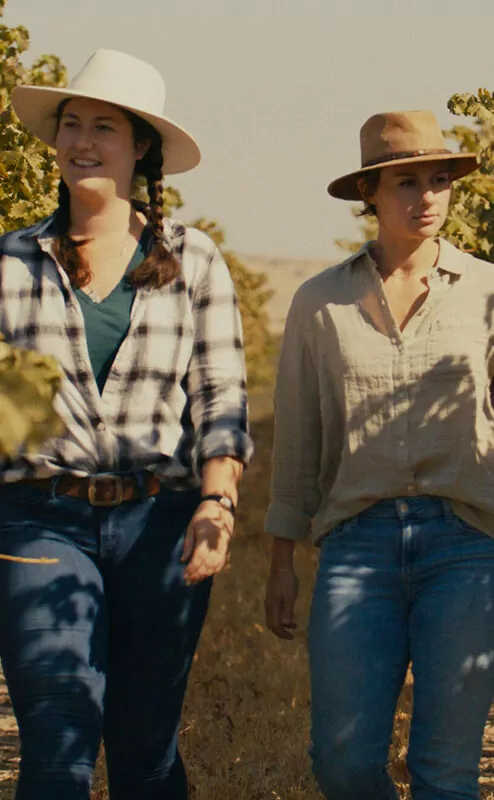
91 184
426 231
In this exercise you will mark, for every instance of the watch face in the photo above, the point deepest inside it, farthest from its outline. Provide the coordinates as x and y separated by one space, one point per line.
226 503
222 499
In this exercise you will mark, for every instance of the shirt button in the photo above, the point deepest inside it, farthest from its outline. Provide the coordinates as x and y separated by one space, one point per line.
101 426
403 508
411 487
401 443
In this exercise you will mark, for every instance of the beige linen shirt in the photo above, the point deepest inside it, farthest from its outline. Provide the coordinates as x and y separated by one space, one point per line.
365 411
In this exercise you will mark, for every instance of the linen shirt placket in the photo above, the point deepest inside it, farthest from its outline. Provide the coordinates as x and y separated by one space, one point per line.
401 383
402 363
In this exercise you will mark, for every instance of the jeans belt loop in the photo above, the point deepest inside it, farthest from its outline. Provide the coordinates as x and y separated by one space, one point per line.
447 510
54 483
141 484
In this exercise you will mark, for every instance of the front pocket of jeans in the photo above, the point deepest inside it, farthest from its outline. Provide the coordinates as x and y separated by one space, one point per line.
22 495
340 530
465 527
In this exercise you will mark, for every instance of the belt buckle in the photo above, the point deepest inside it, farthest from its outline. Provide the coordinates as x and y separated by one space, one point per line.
93 489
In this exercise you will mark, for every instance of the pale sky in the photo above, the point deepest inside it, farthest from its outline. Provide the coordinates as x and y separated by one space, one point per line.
275 92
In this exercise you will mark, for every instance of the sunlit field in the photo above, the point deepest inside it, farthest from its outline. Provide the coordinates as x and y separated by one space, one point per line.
246 718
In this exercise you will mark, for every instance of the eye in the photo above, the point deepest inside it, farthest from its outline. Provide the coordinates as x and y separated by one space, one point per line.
102 127
69 123
407 183
442 180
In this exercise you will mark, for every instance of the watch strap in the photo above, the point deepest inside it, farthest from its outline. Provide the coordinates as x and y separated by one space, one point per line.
222 499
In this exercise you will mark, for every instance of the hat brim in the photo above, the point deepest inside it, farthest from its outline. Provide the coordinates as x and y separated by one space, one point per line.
36 107
346 187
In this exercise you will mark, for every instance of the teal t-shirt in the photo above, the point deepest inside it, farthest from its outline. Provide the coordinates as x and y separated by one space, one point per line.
107 322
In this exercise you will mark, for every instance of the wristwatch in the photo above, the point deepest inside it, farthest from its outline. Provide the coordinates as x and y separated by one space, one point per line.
222 499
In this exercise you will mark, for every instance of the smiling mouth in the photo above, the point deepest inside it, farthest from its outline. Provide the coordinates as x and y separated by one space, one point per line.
85 162
426 217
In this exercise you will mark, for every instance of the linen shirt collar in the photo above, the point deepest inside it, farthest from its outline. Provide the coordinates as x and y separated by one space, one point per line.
449 260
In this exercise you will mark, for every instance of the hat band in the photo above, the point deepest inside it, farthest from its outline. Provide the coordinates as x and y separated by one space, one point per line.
405 154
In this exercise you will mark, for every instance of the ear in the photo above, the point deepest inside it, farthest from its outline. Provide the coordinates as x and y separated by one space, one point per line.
141 148
365 191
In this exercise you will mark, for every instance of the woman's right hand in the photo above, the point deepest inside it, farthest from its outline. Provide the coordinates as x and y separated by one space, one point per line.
279 603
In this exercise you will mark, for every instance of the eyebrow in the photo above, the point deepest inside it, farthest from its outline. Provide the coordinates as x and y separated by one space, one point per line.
99 118
414 174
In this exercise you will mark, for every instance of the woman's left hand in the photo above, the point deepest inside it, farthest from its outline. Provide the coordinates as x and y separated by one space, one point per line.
207 541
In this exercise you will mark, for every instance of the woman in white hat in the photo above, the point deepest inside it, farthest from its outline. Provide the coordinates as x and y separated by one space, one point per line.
133 505
384 456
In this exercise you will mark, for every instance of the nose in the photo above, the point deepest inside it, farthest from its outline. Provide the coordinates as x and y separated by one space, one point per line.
83 139
428 196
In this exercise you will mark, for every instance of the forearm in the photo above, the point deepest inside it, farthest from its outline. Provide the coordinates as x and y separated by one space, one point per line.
282 553
221 476
296 459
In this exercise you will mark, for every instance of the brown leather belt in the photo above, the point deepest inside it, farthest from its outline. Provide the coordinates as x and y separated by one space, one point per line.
101 490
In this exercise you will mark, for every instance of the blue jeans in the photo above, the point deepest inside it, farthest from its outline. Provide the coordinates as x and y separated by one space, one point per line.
405 581
100 643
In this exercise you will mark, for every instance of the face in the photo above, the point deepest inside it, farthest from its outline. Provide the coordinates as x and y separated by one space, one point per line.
412 200
96 149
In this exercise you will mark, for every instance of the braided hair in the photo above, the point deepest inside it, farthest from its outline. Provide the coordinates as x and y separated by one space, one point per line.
160 267
65 248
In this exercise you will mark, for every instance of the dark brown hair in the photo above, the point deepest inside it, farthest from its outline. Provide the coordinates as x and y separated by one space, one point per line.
160 266
370 182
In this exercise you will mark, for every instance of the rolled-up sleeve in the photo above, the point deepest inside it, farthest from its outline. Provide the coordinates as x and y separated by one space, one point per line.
216 375
295 497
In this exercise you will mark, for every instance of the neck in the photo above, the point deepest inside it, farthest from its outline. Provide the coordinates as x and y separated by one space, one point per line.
97 218
405 257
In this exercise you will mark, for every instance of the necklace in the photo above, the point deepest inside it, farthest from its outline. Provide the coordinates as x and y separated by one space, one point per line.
125 246
430 273
92 289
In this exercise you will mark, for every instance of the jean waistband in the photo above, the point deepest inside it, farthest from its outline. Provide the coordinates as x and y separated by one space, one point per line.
423 506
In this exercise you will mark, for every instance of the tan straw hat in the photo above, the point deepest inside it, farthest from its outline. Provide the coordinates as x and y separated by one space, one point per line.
116 78
404 137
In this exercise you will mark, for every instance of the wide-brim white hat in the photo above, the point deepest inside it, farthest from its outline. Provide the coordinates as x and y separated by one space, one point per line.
116 78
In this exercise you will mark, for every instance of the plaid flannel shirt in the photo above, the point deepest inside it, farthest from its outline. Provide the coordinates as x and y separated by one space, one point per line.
176 393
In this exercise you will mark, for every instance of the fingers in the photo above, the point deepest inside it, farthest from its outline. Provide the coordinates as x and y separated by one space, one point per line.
279 605
209 552
188 544
278 626
286 615
203 564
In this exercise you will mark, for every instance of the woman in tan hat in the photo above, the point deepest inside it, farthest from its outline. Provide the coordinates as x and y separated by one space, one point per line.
384 456
133 506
